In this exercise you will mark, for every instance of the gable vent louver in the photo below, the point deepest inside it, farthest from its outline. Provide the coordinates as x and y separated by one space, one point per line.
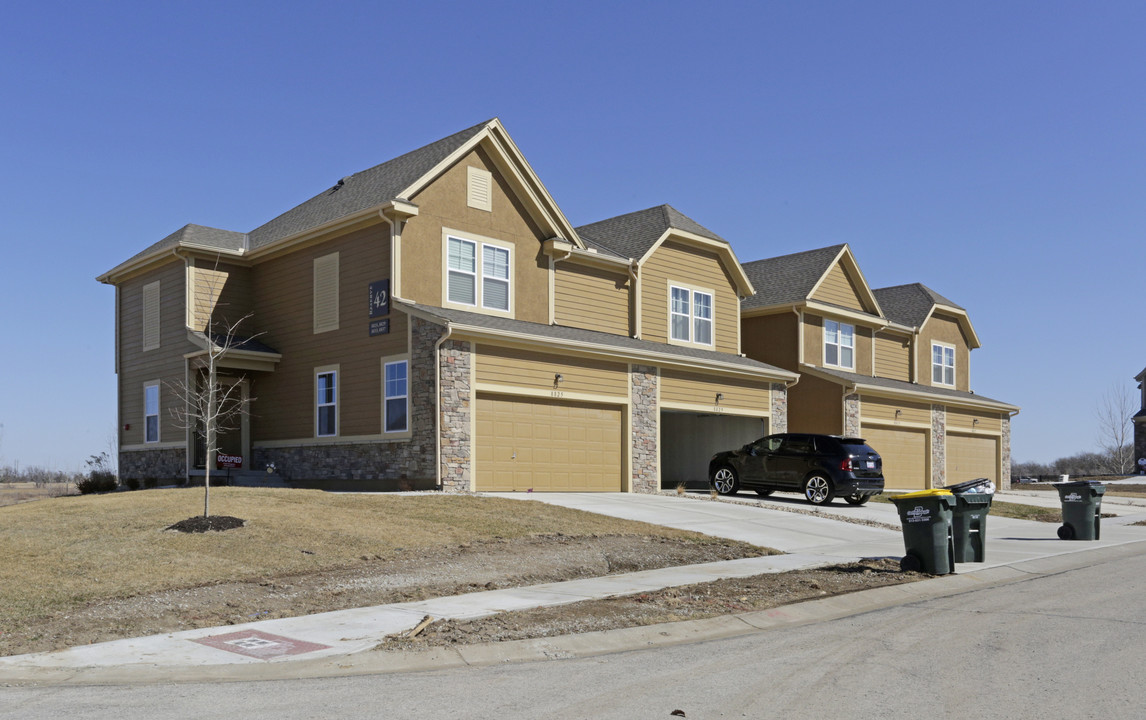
479 189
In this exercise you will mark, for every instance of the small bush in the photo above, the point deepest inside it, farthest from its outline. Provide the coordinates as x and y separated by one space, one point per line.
97 481
131 483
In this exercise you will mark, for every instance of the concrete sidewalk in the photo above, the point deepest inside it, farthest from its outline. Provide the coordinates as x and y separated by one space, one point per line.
325 641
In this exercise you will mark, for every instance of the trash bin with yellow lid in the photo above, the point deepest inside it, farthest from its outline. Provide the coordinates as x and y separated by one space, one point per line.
926 520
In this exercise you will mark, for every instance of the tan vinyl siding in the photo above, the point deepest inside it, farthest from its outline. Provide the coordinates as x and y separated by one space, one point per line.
944 329
591 298
771 339
283 409
443 204
893 356
512 367
678 386
958 419
815 406
165 364
884 409
221 293
676 263
838 289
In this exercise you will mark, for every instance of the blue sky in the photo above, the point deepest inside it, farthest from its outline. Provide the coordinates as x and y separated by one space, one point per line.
991 150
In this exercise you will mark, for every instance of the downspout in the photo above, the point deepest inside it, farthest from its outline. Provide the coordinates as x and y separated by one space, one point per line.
799 335
438 402
634 273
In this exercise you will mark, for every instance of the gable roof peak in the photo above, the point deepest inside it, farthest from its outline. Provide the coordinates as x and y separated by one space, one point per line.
633 234
788 278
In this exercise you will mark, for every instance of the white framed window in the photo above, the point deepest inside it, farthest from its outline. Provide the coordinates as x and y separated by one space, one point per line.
396 396
690 315
942 364
839 344
326 402
478 273
151 412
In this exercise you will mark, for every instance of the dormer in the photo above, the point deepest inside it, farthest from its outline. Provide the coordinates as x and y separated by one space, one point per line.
941 332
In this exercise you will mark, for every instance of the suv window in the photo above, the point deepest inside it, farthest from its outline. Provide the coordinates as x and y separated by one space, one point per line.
798 444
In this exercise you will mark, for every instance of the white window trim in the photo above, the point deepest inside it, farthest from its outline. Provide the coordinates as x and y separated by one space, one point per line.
335 369
386 362
954 363
479 242
839 346
158 414
692 291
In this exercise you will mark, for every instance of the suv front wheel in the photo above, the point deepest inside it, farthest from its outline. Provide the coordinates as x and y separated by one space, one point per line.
818 489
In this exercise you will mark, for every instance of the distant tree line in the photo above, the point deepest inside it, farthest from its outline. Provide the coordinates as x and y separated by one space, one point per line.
1082 464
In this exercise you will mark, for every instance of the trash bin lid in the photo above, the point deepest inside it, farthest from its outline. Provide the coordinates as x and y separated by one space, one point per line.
1080 484
921 494
965 486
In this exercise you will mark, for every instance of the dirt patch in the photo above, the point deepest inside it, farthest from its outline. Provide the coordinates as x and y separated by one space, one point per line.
407 576
213 523
692 602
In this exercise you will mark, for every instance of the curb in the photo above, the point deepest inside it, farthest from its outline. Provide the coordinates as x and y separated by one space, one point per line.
603 642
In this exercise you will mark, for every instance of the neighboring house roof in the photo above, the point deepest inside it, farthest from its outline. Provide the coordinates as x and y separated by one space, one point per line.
958 396
910 305
587 339
633 234
788 278
362 190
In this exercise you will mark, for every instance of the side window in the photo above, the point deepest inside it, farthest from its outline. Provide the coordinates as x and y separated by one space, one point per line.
690 315
396 390
151 412
839 344
326 403
798 445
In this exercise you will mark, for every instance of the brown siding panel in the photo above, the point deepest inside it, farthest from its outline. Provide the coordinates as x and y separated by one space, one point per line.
771 339
875 408
944 329
591 298
893 356
676 262
958 419
815 406
678 386
838 289
513 367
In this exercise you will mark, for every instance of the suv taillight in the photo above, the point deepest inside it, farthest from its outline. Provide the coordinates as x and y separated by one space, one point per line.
846 465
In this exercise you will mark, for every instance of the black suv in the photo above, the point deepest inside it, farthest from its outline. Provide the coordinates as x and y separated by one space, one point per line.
820 466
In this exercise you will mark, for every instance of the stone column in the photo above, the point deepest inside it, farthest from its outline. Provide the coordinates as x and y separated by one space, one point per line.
646 454
455 408
1005 453
938 446
779 421
852 415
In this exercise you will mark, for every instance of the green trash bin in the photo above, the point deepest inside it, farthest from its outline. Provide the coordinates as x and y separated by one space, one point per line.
1081 509
969 519
926 520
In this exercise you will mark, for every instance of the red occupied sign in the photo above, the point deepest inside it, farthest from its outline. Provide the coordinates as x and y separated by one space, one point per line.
230 461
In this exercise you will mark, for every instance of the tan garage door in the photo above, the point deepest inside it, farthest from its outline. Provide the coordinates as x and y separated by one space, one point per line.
970 457
547 445
904 454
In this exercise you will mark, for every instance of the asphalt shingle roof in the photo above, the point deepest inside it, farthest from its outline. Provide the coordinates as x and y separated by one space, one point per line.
909 304
788 278
631 235
907 386
362 190
197 235
577 335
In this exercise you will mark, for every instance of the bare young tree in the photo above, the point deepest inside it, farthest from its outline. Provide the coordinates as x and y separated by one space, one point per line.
207 406
1115 433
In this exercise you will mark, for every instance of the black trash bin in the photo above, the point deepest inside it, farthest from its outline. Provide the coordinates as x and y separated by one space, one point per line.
926 520
1081 509
969 519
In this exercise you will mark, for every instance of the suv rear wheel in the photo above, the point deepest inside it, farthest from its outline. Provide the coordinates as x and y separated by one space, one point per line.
725 482
818 489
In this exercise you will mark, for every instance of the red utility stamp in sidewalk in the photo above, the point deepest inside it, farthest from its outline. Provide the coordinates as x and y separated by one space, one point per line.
261 645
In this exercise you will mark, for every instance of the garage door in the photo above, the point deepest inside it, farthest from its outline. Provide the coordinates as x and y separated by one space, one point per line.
904 454
545 445
970 457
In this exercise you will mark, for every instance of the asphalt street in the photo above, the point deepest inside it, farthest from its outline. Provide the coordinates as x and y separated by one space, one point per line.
1065 644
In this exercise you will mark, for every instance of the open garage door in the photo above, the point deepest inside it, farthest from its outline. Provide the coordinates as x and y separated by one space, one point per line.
688 440
904 453
540 445
970 457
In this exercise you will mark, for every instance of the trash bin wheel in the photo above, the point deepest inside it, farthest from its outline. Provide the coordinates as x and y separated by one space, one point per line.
910 563
1066 532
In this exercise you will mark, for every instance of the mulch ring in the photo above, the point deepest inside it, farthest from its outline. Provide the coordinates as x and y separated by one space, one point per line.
200 524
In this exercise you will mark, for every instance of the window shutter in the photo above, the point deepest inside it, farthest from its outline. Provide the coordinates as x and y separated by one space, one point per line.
151 316
479 191
326 293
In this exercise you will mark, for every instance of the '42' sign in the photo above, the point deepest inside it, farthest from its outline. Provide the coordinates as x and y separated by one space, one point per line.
379 298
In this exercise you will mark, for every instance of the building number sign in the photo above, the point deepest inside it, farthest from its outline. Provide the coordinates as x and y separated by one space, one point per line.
379 307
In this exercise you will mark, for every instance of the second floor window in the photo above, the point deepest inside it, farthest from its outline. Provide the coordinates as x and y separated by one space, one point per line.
942 365
839 344
326 410
488 287
690 315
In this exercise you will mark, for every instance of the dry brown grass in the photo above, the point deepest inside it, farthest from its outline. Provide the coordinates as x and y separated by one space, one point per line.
15 493
64 552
